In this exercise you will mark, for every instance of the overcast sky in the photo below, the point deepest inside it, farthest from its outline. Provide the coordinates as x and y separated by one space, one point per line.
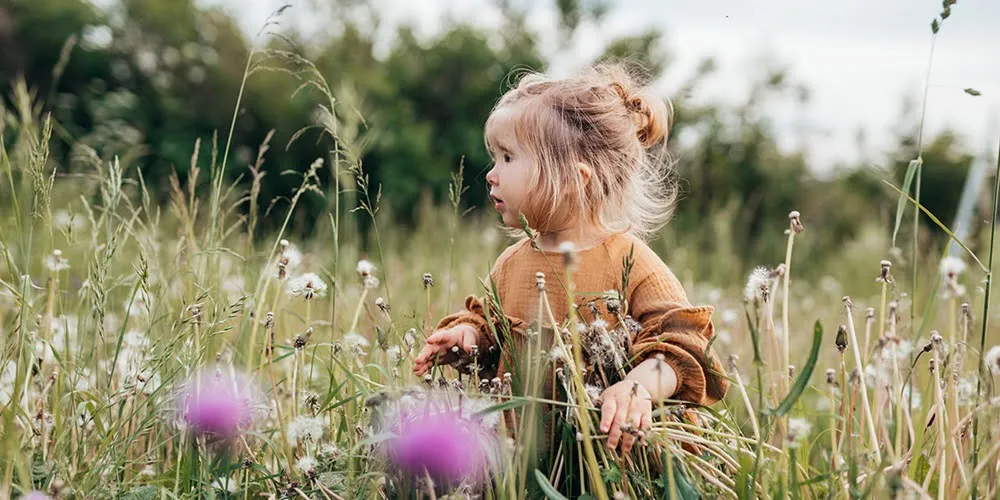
859 58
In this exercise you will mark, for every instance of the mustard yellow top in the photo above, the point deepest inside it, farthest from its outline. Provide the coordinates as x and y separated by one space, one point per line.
666 322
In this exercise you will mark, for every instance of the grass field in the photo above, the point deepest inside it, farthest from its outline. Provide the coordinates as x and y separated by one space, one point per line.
176 351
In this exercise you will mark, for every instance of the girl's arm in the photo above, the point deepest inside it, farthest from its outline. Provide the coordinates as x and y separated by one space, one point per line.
677 333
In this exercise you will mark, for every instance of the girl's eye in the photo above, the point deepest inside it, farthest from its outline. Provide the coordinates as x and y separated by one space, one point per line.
506 158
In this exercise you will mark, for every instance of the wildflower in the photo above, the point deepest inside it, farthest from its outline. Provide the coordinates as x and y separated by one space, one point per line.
380 303
308 286
55 262
355 343
798 430
307 465
757 285
441 445
370 282
217 404
992 360
365 268
428 280
147 471
306 429
35 495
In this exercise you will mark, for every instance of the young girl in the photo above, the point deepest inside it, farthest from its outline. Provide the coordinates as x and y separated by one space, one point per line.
572 155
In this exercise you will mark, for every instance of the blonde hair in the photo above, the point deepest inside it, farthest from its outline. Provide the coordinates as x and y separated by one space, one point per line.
602 118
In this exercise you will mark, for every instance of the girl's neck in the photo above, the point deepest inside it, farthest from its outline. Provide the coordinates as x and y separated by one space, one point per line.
582 237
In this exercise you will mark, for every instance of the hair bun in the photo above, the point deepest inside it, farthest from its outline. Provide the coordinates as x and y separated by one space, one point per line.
652 115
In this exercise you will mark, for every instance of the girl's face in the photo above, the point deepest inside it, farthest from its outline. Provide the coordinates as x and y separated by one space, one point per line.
510 176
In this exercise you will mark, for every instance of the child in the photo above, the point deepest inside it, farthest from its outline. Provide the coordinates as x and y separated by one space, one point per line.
572 156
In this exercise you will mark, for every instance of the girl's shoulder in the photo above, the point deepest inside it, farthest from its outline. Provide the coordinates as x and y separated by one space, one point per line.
514 249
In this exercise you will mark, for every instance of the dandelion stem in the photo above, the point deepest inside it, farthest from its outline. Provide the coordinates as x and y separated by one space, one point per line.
873 435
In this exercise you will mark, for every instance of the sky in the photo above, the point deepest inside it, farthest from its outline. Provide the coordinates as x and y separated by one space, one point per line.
858 58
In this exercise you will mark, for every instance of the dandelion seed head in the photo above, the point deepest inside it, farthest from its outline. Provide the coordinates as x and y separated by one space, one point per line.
951 267
55 262
306 429
307 464
798 431
966 391
355 343
370 282
757 284
307 286
992 360
395 354
365 268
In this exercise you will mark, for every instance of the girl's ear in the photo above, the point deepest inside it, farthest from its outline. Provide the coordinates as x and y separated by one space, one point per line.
585 172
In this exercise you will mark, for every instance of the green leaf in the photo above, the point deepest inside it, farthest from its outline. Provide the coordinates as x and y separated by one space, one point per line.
506 405
685 491
612 474
973 92
142 493
803 379
547 488
911 170
940 225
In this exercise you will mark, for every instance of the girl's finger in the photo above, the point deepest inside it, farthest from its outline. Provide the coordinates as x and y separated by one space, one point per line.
607 414
615 434
647 419
628 439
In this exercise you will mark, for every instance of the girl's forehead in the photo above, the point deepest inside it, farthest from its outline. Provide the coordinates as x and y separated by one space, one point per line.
500 128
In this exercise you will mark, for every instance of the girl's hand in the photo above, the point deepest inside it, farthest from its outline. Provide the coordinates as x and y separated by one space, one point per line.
626 402
439 344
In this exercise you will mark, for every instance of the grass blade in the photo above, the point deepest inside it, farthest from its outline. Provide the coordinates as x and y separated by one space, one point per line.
547 488
911 169
803 379
940 224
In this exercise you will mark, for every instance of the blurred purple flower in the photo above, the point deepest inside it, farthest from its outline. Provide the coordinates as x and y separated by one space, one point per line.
35 495
447 447
218 403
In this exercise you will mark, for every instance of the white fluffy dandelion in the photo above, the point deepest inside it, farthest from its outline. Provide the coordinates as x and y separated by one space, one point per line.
55 262
306 430
308 286
951 267
992 360
798 431
370 282
365 268
395 354
355 343
758 284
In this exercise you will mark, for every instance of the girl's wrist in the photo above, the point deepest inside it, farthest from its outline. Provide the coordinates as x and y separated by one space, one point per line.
658 377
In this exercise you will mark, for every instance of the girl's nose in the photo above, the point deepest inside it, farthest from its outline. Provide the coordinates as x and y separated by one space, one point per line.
492 178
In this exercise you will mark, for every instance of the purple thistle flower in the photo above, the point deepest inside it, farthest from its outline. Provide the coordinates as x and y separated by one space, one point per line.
447 447
35 495
216 403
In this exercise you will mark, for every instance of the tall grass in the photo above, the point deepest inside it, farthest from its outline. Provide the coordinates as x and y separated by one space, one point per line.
116 315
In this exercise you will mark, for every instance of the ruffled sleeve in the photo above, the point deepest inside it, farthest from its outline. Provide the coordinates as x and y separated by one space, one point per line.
681 332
